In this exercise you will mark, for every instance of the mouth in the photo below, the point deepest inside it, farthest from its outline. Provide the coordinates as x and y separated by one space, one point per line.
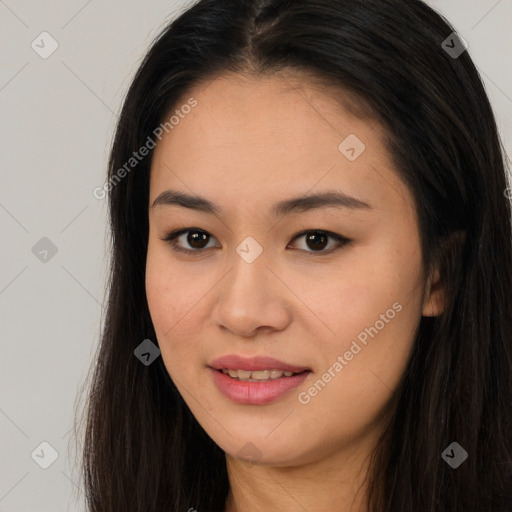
251 391
256 380
259 375
257 367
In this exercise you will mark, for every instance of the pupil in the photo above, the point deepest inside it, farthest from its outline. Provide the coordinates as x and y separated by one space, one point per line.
196 237
313 240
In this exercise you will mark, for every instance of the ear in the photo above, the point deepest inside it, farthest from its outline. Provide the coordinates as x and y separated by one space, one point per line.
448 253
434 298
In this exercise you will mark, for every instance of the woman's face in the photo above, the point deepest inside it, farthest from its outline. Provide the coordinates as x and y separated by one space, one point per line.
347 312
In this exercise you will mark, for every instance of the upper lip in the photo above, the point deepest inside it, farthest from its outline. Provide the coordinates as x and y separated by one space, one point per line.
236 362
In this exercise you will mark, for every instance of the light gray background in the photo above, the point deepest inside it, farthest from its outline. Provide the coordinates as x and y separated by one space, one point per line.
57 119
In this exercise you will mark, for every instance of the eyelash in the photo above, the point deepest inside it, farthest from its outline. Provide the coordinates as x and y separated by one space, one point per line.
171 239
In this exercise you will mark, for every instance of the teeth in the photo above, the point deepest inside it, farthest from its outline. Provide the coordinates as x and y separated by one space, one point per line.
258 375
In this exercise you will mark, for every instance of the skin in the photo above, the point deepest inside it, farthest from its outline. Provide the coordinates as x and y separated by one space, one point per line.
248 144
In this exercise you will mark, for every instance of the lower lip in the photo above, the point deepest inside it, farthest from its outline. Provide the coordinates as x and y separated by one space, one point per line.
255 393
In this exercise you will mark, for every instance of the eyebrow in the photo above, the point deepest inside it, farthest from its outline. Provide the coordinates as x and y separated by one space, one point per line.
328 199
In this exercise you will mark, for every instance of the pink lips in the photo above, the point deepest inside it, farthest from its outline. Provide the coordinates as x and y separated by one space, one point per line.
255 393
235 362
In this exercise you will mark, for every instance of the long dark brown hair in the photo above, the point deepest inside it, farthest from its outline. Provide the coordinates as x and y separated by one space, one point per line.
143 449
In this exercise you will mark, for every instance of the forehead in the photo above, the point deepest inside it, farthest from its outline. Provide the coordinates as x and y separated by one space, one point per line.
256 138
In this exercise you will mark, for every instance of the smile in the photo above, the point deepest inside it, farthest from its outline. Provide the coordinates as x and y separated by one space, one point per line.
259 391
258 375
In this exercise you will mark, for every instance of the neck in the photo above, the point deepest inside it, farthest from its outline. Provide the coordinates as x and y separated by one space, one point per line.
336 482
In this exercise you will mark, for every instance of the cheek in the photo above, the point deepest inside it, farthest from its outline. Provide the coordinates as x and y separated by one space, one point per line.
360 371
168 291
375 349
166 302
176 305
159 292
373 312
365 286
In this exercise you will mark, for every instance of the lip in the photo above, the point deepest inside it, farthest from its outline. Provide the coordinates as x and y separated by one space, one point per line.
236 362
255 393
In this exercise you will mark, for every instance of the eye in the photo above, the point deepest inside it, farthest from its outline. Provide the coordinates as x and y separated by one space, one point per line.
318 240
198 239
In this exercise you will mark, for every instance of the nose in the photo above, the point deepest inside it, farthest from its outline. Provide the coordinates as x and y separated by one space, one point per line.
252 299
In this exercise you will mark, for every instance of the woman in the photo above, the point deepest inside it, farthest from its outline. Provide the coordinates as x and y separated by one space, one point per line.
309 294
